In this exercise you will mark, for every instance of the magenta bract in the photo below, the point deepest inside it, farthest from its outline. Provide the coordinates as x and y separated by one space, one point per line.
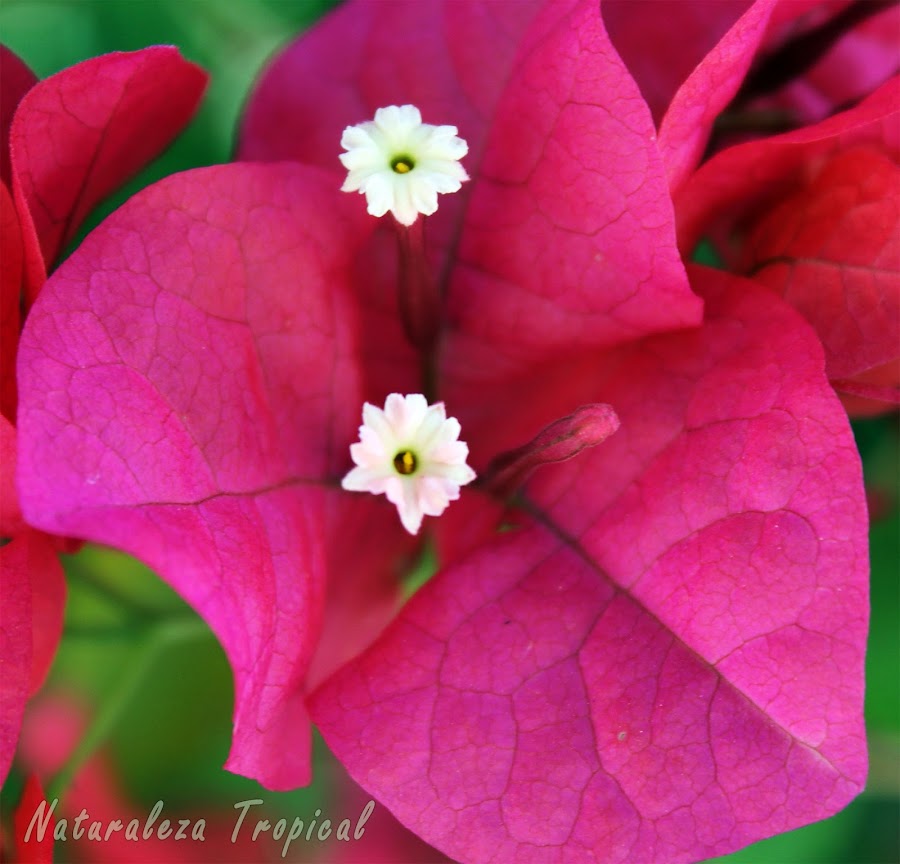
622 678
813 214
67 142
220 376
80 134
831 251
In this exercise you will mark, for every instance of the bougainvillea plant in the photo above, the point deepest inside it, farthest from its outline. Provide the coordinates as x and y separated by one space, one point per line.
67 142
650 651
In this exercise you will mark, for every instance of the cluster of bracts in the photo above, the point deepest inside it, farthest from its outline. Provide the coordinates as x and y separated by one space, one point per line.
649 652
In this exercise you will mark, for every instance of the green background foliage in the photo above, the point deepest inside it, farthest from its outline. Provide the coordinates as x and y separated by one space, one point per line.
155 680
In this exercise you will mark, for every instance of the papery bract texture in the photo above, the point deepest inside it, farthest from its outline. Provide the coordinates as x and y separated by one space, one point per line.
11 521
15 645
666 663
857 51
196 356
16 79
832 249
661 56
688 121
81 133
744 178
12 269
31 621
816 56
66 143
774 210
562 157
813 214
568 232
38 850
431 64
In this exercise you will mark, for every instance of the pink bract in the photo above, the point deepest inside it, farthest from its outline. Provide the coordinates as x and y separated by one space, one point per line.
16 79
15 644
611 681
848 290
34 851
813 214
81 133
220 377
67 142
573 175
657 654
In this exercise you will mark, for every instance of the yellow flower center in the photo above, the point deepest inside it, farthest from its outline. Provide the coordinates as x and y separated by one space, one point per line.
405 462
402 165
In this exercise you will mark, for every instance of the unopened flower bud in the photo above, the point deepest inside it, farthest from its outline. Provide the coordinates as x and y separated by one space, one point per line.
585 427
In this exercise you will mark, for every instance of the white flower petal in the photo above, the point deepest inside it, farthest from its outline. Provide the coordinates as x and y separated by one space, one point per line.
379 192
403 208
365 480
423 197
369 452
365 160
405 414
375 419
448 432
403 493
459 475
432 154
433 422
358 136
423 485
434 495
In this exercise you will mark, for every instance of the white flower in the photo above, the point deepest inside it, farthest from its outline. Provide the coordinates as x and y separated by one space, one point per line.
410 452
401 163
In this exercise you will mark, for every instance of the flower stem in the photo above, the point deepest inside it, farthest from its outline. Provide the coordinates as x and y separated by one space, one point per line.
417 293
160 637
